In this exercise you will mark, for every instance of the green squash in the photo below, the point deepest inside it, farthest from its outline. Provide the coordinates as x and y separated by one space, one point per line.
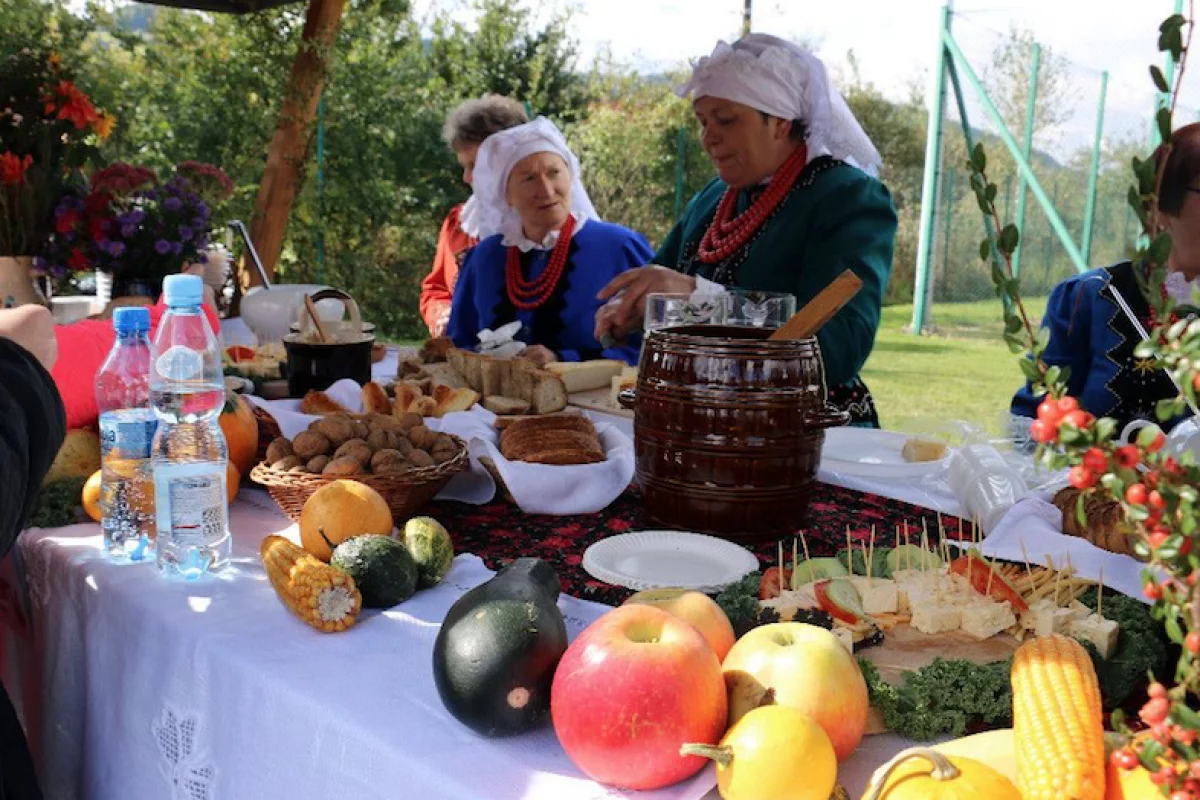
430 546
495 656
382 569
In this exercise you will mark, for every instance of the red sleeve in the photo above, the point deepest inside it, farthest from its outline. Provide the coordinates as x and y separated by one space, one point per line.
438 286
82 348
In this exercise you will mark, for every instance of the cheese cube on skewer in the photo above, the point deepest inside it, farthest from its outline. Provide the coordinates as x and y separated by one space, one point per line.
983 618
1078 611
1099 631
1045 618
879 595
932 617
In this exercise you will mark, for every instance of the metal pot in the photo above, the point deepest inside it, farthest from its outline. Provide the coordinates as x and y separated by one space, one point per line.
313 364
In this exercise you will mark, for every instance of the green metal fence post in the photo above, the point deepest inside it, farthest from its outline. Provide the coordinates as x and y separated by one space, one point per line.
1163 99
1035 66
680 170
959 60
929 184
1050 236
947 218
321 189
1089 210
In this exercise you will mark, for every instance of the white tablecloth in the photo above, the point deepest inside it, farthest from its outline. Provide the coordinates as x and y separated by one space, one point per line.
137 687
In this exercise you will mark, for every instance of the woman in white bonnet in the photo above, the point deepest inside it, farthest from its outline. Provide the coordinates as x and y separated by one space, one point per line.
794 204
544 254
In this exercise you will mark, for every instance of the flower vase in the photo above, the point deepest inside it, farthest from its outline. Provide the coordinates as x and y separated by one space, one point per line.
17 285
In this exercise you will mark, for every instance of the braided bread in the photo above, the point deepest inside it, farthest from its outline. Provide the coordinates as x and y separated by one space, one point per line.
1105 526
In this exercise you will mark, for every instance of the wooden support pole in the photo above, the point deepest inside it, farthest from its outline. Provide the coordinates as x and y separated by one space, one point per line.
293 133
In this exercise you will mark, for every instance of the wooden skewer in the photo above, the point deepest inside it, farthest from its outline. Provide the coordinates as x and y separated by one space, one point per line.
1025 555
781 569
925 554
907 551
991 575
866 562
1100 592
849 552
804 544
793 554
871 554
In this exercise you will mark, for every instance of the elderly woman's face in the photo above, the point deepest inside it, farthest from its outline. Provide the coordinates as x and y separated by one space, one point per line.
466 155
745 148
539 188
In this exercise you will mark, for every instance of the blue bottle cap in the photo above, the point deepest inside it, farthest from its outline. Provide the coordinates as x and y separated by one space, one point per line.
183 290
131 319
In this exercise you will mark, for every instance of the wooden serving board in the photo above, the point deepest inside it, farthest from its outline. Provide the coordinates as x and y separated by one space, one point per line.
905 649
598 400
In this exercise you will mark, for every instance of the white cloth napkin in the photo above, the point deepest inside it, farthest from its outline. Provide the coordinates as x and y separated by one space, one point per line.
536 488
1036 523
573 489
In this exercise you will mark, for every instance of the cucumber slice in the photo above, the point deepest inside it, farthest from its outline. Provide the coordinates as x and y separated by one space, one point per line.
816 569
912 556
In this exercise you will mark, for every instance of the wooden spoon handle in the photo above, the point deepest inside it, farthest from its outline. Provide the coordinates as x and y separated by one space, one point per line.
322 334
820 309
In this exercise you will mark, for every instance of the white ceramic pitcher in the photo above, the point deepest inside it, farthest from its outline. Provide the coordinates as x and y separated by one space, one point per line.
1183 437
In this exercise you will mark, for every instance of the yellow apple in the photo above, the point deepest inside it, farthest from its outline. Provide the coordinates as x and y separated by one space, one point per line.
699 610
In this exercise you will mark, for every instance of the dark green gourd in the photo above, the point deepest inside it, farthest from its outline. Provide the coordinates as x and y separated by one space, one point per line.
494 658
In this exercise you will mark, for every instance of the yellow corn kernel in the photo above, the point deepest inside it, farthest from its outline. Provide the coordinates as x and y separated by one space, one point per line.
1057 721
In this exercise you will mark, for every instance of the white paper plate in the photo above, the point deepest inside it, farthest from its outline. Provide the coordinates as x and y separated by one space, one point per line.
652 559
873 453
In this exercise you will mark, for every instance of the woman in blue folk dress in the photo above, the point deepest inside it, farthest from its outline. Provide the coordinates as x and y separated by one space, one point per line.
544 254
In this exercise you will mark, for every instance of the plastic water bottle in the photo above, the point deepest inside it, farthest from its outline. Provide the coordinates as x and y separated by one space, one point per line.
127 425
187 391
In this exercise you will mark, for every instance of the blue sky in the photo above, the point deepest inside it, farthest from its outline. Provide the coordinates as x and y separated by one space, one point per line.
895 41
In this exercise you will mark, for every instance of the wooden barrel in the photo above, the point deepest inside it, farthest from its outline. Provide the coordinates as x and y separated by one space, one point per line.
728 429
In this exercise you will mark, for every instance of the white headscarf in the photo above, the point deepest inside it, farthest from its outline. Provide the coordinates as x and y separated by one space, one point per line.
498 154
784 80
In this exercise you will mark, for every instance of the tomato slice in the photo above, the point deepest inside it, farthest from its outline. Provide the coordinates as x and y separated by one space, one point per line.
770 585
976 571
240 353
840 599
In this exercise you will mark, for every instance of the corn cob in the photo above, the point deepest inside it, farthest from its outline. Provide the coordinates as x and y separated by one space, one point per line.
323 596
1057 721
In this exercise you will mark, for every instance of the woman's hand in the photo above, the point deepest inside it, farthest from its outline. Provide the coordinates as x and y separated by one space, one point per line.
538 354
626 294
32 327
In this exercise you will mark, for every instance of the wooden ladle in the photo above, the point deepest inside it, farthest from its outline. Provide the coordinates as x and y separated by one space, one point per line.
816 312
322 334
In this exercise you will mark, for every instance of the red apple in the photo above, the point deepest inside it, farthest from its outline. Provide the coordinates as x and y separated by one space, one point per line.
698 609
802 666
636 685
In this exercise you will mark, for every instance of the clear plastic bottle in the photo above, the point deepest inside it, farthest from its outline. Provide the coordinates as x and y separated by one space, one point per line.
187 392
127 425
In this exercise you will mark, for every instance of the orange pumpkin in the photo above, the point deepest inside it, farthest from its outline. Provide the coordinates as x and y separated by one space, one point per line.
233 481
240 427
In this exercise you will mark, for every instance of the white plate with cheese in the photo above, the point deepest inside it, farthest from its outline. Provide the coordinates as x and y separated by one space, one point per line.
653 559
875 453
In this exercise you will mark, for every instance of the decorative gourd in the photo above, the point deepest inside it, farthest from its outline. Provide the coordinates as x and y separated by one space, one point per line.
382 569
495 656
431 547
1058 722
240 427
341 510
995 748
772 753
921 773
321 595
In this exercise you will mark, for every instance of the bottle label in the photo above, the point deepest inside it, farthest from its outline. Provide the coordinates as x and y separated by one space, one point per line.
127 434
190 502
180 363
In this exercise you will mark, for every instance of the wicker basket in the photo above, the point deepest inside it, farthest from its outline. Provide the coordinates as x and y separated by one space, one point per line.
405 492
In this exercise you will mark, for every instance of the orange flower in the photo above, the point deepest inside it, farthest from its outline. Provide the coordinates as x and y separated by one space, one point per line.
104 125
12 168
55 60
73 105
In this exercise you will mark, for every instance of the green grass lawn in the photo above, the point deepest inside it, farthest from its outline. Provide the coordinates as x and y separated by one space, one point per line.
964 371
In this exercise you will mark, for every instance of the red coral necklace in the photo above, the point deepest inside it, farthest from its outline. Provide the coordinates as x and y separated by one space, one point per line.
728 233
528 295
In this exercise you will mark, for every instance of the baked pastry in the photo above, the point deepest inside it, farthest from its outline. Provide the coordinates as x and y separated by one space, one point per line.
317 402
1104 521
918 449
375 399
435 350
552 439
